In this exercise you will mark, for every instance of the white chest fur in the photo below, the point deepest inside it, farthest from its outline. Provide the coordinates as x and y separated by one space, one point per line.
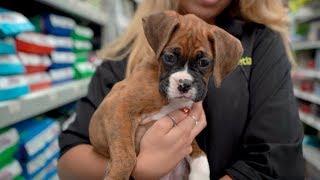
172 106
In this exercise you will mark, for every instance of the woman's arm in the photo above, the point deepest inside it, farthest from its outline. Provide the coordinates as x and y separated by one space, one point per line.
78 160
272 141
81 162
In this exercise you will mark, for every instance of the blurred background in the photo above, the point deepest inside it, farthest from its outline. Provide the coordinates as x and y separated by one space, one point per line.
305 42
48 55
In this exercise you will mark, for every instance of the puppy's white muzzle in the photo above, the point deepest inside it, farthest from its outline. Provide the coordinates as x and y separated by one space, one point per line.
180 85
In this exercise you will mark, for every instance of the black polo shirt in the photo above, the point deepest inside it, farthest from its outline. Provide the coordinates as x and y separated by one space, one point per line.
253 130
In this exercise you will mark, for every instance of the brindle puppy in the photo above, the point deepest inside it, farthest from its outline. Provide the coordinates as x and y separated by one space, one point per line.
187 52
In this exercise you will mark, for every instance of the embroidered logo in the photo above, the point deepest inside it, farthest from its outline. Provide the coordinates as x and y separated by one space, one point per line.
245 61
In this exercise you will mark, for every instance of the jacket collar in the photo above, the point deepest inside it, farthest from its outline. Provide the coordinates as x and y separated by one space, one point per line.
232 26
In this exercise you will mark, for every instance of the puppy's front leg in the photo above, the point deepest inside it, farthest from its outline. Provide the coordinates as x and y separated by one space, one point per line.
120 137
199 166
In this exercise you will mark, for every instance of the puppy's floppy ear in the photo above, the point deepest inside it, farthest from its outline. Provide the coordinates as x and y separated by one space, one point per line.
227 51
158 29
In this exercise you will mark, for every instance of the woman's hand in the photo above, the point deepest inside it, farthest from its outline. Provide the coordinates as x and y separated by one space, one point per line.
226 177
164 145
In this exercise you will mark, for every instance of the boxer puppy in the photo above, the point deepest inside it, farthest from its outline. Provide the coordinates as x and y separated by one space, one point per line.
187 51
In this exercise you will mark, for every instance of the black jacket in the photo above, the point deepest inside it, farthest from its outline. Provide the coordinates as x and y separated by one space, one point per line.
253 130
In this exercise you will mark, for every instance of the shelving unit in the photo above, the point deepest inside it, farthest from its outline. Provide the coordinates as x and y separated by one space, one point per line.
307 73
42 101
310 17
307 96
305 15
79 8
67 23
83 12
297 46
312 155
310 120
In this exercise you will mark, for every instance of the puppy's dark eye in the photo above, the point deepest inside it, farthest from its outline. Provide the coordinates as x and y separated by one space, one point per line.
169 59
204 62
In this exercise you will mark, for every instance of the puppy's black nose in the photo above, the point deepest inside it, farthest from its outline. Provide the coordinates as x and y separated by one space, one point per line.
184 85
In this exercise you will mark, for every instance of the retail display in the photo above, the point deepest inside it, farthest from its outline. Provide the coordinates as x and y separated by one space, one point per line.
60 47
9 144
38 145
82 56
10 64
38 81
12 87
12 170
306 77
9 166
58 25
12 23
36 43
42 58
7 46
82 46
61 75
83 70
62 59
34 62
62 43
82 33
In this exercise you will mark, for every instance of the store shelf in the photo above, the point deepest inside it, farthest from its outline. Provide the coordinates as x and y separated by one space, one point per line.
307 16
78 8
42 101
312 155
307 73
307 96
305 45
310 120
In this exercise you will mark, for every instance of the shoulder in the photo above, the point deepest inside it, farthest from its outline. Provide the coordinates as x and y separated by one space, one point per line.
270 62
112 70
262 35
265 36
107 74
267 45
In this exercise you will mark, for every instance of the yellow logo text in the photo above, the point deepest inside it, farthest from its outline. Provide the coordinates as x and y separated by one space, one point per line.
245 61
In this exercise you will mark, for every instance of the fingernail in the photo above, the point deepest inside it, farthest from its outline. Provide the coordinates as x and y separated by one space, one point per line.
185 110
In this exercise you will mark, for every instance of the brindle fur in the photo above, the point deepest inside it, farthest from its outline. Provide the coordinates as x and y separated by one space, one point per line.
114 126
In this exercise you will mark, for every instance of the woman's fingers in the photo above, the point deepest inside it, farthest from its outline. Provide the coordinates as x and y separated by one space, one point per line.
165 124
178 123
184 127
199 120
177 116
202 123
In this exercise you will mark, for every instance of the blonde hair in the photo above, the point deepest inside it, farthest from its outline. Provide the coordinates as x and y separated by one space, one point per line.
132 42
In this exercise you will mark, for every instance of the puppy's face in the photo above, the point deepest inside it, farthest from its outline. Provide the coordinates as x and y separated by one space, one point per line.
189 52
186 64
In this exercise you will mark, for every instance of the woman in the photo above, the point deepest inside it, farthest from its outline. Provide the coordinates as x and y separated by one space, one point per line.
253 129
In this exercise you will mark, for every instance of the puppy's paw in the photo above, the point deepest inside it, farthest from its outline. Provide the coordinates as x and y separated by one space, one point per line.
199 168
